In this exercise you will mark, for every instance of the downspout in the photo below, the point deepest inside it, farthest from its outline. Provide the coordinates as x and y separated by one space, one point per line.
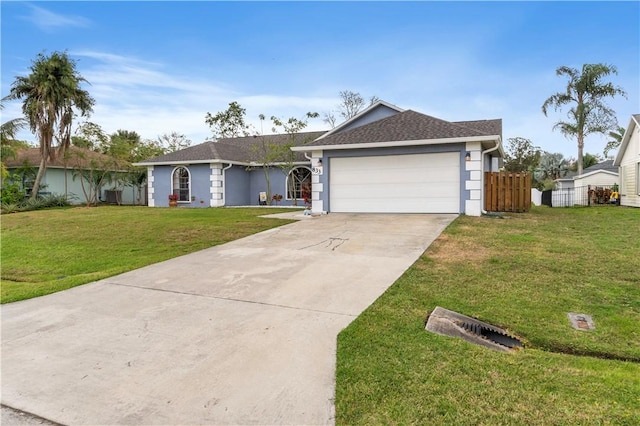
224 185
498 143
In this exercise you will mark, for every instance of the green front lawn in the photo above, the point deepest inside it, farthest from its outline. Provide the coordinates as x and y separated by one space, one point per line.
51 250
523 273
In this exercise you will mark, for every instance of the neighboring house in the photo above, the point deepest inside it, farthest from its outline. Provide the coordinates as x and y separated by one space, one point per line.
601 174
384 160
628 163
573 189
63 176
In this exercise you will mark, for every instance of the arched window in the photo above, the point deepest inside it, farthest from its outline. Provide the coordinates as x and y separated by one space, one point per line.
299 184
181 184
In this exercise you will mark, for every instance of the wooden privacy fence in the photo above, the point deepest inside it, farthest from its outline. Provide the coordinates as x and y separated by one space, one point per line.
507 192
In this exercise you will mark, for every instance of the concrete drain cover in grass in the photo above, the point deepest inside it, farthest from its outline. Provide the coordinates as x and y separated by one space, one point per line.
581 321
448 323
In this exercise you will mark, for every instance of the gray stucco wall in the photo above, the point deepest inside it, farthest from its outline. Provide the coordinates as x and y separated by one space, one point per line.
422 149
242 187
278 186
200 185
61 181
236 181
374 115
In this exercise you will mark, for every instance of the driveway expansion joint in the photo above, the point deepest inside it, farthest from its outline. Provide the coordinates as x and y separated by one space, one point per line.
231 299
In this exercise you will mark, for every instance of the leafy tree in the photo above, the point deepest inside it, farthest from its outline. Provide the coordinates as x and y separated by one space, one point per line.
267 153
93 173
122 144
521 155
551 166
90 136
351 103
591 160
50 95
173 141
229 123
8 131
585 92
615 140
128 147
270 154
291 128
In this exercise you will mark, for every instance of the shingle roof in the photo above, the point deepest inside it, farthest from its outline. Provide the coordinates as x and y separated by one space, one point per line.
75 158
410 125
490 127
232 149
605 165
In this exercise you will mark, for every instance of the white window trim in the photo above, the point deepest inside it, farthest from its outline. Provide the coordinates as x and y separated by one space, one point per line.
286 182
638 178
172 188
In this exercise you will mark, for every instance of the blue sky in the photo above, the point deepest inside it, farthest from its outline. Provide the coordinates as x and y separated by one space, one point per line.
158 67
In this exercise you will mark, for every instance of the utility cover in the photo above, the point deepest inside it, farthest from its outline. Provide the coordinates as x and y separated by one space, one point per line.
582 322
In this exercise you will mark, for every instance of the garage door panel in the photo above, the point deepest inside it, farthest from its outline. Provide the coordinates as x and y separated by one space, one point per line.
415 183
391 190
398 206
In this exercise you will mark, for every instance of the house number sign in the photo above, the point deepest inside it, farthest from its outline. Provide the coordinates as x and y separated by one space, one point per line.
317 171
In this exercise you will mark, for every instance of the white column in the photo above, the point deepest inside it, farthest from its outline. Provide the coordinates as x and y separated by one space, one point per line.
317 188
473 184
216 187
150 190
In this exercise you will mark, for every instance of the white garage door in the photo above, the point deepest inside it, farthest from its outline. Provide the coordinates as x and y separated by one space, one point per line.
417 183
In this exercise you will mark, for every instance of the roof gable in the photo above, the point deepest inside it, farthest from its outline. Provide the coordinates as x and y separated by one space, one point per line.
374 112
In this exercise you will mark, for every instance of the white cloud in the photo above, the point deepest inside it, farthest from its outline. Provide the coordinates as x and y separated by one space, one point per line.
142 96
49 21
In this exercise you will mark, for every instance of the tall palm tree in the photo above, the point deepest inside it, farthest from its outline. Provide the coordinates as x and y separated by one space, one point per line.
615 139
585 93
50 94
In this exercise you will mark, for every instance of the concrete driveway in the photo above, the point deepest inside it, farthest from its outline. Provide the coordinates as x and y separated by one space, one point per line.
241 333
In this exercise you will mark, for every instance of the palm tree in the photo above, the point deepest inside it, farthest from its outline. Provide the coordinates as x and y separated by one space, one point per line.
50 94
585 92
616 139
8 131
551 166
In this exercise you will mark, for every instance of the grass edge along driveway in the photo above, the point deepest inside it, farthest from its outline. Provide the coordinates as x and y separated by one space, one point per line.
51 250
523 273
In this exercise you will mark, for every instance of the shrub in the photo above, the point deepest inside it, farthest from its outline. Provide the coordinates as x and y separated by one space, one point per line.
11 193
43 202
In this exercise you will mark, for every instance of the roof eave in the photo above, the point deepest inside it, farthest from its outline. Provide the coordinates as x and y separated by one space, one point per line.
584 175
187 162
391 144
235 163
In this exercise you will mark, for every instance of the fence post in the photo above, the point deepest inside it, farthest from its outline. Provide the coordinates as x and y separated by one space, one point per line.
588 195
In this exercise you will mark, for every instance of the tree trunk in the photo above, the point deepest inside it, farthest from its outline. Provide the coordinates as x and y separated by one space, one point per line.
267 178
580 154
36 184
